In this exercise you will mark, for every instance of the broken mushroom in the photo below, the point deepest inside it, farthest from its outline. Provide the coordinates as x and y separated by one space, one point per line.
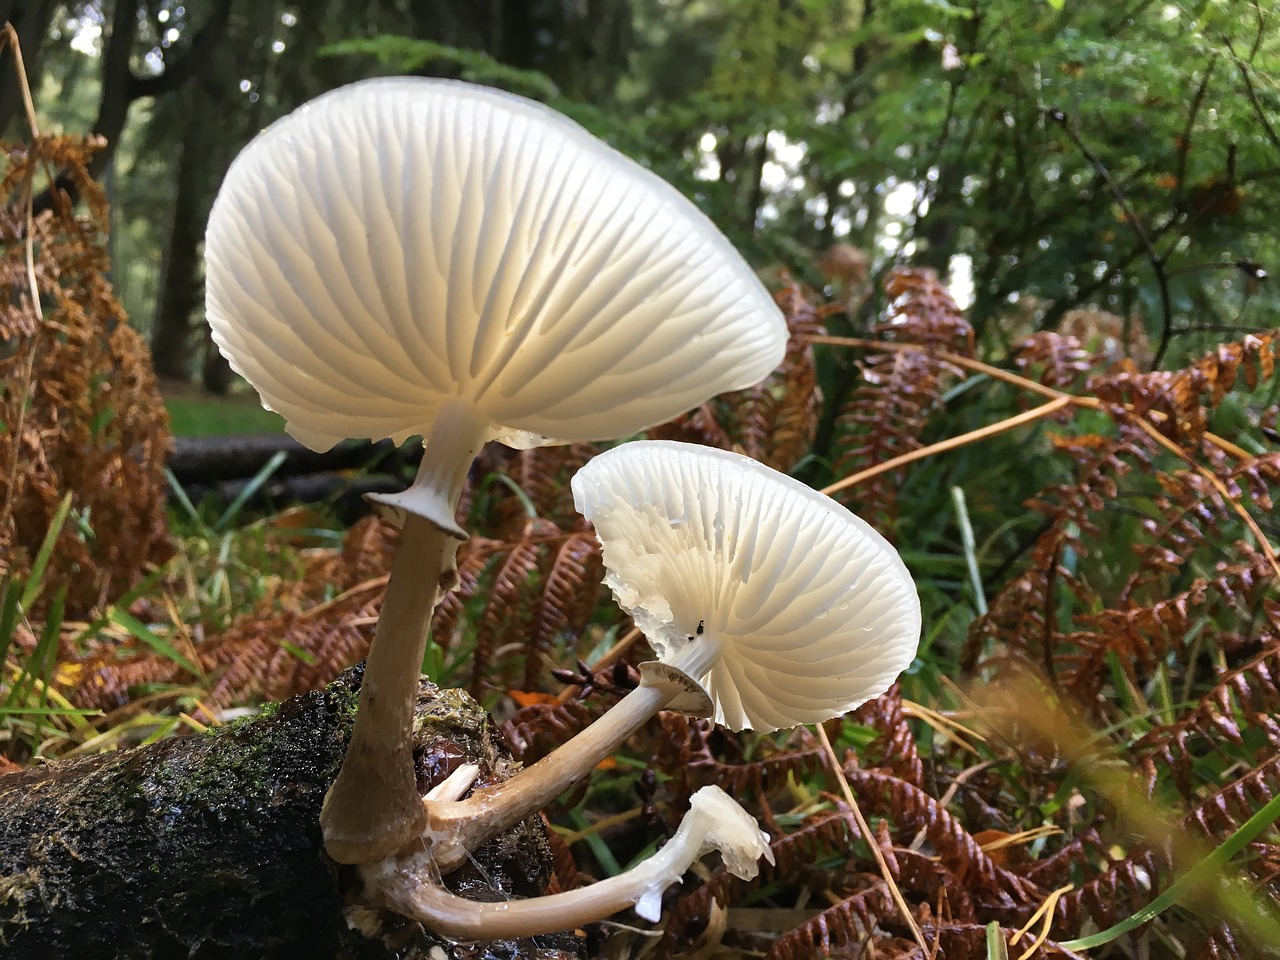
425 257
769 605
714 822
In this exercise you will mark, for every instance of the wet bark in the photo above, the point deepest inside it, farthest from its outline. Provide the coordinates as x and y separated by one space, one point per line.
209 846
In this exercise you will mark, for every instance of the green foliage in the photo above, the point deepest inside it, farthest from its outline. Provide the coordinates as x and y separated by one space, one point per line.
406 55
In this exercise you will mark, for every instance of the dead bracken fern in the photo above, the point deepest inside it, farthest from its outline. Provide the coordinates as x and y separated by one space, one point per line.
526 592
885 415
80 410
776 420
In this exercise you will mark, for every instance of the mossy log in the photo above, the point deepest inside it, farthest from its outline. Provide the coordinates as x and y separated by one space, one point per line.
209 846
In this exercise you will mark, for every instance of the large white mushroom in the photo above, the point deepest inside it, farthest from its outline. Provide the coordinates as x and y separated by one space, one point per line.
411 256
769 605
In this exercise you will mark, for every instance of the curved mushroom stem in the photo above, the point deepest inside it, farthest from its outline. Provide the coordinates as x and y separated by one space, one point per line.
456 828
373 808
453 829
714 821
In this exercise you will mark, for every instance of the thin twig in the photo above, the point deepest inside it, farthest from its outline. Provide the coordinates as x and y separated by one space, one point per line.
1244 69
1184 142
867 835
1061 399
973 436
10 36
1013 379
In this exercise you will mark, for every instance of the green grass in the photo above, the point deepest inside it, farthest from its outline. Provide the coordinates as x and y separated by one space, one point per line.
196 416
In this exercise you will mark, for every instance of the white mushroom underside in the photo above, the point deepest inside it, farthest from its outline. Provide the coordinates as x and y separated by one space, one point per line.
813 610
400 241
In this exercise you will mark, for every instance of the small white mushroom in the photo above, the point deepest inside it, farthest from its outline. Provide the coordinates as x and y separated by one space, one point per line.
714 822
410 256
768 604
782 604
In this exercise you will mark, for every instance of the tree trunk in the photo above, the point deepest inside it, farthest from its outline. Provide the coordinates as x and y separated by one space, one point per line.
216 375
31 21
179 288
120 86
209 846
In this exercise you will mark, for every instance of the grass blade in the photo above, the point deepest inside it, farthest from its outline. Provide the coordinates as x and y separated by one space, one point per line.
41 563
1205 871
9 614
250 488
159 644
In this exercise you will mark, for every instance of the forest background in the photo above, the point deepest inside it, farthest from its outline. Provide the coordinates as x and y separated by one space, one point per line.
1088 418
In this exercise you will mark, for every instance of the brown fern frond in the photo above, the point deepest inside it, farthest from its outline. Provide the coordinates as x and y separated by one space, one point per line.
542 474
797 398
1224 811
926 884
795 855
757 776
935 885
570 595
1020 621
565 874
1255 479
507 591
698 426
295 641
1117 891
1182 399
474 557
1054 359
514 600
536 730
774 421
1221 944
1247 697
913 809
1142 635
968 941
851 921
884 417
81 407
894 751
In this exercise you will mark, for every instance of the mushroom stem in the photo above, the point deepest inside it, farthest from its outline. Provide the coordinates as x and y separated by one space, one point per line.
373 808
714 821
458 827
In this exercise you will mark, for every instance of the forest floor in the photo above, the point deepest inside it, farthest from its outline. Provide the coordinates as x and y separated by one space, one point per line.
194 412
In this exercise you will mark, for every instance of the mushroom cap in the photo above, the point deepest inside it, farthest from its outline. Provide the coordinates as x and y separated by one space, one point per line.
402 241
814 612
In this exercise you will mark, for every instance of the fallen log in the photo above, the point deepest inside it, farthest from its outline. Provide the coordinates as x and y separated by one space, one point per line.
209 846
345 495
212 460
